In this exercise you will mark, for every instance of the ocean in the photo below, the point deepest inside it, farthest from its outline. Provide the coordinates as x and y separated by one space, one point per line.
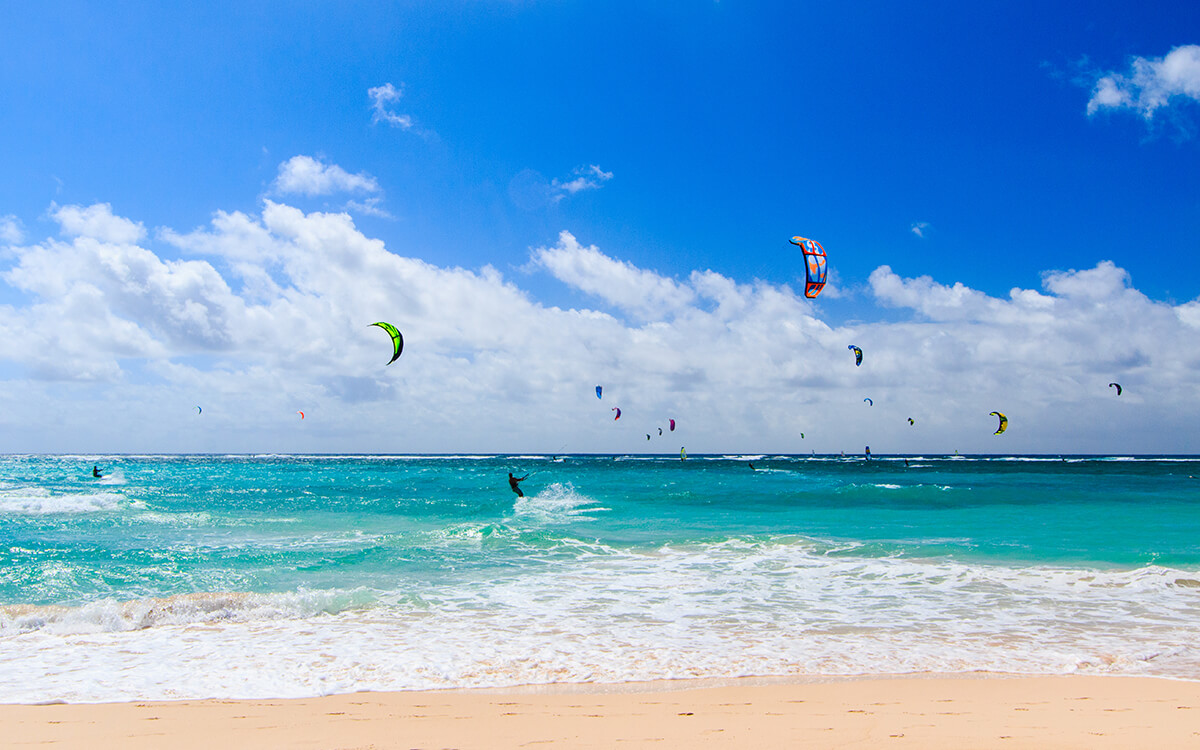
237 576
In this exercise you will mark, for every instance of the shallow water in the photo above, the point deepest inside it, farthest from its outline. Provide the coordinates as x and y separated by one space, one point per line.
240 576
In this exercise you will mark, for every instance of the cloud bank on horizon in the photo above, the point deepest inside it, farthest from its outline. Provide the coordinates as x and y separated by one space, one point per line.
259 314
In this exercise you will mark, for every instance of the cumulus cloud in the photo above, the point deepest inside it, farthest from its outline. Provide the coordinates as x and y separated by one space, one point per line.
640 292
919 227
382 98
102 298
1150 83
269 312
98 222
304 175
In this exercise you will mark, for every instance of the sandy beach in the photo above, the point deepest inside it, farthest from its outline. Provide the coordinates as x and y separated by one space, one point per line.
918 712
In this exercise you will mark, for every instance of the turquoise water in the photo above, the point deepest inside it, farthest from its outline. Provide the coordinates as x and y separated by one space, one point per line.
239 576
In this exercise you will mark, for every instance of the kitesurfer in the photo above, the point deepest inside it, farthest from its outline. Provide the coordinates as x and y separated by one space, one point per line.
96 471
513 481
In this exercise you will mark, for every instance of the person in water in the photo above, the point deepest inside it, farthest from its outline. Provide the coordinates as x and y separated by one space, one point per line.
514 481
96 471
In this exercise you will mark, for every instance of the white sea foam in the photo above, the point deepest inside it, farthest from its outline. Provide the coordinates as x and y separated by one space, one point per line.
109 615
792 606
41 501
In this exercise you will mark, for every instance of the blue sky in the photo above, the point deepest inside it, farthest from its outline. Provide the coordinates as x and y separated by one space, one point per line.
989 145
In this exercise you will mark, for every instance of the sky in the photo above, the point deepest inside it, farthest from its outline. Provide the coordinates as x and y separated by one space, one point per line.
203 209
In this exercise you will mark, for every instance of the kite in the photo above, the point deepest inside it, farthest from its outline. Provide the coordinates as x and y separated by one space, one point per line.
301 414
660 432
869 402
647 436
672 421
199 410
910 421
1003 422
857 355
814 265
618 411
397 339
802 436
599 390
1117 386
682 454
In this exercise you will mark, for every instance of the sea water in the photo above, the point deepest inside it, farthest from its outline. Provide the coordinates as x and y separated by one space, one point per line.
286 575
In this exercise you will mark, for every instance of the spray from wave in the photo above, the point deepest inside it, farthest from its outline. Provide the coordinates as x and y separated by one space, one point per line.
557 503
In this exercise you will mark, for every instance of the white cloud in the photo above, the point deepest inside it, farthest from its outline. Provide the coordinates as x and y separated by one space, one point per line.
590 177
102 298
933 300
369 206
1150 83
642 293
132 341
10 230
919 227
531 191
304 175
382 97
1189 314
97 222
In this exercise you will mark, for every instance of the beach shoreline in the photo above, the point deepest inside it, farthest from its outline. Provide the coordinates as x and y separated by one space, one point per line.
926 711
